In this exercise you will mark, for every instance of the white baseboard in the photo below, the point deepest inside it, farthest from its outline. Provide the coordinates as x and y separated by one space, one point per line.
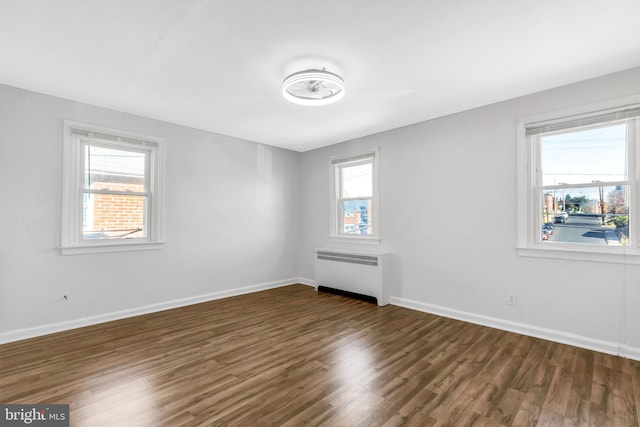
575 340
36 331
608 347
308 282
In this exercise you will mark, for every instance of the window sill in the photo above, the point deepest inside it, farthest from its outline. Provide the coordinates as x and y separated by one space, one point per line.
366 240
110 247
622 256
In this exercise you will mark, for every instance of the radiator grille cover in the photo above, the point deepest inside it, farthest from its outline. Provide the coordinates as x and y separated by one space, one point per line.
355 273
371 260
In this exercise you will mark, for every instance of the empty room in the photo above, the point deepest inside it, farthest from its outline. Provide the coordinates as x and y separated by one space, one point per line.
331 213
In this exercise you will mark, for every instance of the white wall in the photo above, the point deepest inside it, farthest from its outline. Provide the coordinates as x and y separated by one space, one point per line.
448 215
231 218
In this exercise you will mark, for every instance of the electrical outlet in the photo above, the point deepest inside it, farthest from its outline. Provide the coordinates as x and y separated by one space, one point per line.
511 299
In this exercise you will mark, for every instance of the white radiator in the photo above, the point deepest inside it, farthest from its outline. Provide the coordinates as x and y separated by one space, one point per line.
365 273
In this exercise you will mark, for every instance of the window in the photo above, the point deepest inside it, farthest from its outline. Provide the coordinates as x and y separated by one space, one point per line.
111 191
355 213
577 185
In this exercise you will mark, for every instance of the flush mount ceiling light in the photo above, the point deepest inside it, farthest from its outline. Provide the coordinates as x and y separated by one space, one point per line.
313 87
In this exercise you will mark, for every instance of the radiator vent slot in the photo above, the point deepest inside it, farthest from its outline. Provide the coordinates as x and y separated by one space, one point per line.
371 260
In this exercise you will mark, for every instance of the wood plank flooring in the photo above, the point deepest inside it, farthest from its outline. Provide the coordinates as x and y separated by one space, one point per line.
291 356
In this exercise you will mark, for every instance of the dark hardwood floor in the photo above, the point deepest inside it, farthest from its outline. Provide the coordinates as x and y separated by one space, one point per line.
290 356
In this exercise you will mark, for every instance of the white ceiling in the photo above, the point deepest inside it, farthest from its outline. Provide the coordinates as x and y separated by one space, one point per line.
218 65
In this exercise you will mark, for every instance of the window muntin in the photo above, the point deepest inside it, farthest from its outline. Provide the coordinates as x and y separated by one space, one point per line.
354 196
112 194
115 192
584 185
607 190
582 191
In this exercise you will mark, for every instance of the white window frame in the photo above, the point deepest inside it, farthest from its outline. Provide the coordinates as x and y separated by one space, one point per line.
335 163
75 136
529 208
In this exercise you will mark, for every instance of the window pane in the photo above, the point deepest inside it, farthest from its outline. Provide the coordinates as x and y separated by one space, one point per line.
113 216
356 181
114 169
593 215
356 217
585 156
